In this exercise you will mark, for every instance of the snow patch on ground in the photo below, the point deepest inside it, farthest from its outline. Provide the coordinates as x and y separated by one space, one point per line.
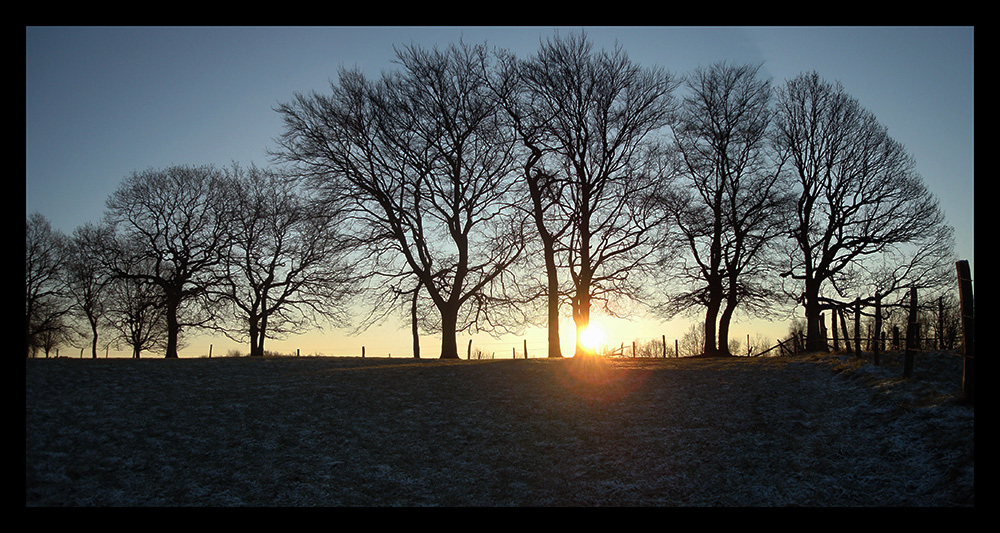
812 430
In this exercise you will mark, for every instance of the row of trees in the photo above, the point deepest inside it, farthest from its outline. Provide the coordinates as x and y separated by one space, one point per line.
235 250
481 191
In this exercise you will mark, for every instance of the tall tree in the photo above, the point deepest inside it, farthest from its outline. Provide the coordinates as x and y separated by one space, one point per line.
601 114
529 122
729 208
285 267
864 220
176 221
426 170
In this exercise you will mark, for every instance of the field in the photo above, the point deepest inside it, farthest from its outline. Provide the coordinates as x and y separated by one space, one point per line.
322 431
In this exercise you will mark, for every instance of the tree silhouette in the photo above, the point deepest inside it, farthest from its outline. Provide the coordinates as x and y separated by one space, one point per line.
46 301
285 268
174 221
596 114
864 220
426 173
728 208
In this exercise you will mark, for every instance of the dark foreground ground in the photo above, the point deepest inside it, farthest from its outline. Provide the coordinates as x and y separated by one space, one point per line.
310 431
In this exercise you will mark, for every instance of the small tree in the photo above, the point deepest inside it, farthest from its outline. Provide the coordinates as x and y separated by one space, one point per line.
88 279
47 304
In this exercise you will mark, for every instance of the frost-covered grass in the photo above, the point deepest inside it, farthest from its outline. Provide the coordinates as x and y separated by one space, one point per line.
324 431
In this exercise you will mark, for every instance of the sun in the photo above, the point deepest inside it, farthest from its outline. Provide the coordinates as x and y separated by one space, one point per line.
591 338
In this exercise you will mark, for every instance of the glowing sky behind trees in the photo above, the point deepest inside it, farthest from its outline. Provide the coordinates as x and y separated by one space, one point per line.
101 102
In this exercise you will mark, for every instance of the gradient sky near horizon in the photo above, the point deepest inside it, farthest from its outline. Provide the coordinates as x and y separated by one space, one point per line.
101 102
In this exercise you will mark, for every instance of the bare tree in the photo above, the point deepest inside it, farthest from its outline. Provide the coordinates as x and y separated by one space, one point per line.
864 221
88 279
176 222
46 299
285 266
529 118
426 171
728 208
137 313
599 114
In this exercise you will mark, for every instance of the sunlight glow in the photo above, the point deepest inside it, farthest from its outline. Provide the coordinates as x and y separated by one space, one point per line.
591 338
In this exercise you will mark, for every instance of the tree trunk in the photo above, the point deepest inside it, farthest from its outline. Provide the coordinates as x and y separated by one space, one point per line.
93 344
724 321
414 330
581 316
711 323
449 323
254 338
555 350
173 329
814 341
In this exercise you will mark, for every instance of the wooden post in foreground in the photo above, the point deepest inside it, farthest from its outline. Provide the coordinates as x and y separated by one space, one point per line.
968 329
857 327
911 335
878 327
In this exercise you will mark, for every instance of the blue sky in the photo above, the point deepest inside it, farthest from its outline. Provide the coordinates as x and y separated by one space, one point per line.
101 102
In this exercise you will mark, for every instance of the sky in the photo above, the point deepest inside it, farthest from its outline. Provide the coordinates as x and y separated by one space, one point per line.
102 102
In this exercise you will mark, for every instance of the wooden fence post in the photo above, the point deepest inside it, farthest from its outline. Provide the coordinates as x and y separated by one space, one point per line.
940 323
468 351
878 327
677 352
968 328
843 330
857 327
664 339
911 334
833 327
362 352
525 348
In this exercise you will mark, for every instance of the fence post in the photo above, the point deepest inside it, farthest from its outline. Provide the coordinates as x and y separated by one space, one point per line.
940 324
843 330
878 327
857 327
968 328
677 352
833 327
525 348
362 352
911 334
664 339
